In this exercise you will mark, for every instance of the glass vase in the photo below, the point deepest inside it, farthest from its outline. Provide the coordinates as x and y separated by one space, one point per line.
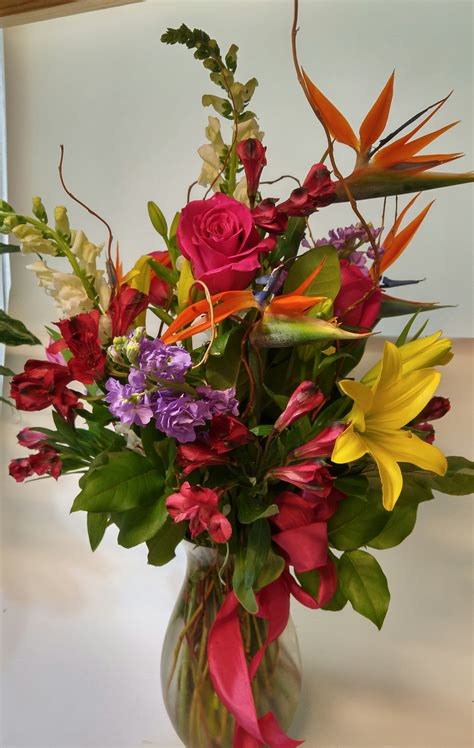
197 715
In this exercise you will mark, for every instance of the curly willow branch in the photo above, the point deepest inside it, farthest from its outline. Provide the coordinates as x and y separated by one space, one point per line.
212 320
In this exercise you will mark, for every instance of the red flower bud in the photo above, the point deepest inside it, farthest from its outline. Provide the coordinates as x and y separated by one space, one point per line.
316 191
196 455
321 446
31 439
436 408
159 289
428 432
304 399
252 154
308 475
227 433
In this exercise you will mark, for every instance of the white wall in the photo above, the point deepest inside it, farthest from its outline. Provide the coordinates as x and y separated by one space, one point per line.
128 110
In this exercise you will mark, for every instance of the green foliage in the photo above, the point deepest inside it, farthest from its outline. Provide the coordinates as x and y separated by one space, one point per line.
97 523
223 371
459 478
126 481
169 276
9 249
289 243
14 332
364 584
251 508
158 220
273 569
141 524
162 546
400 525
356 522
328 281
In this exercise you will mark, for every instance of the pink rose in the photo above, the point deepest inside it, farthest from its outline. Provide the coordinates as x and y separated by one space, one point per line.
219 238
354 286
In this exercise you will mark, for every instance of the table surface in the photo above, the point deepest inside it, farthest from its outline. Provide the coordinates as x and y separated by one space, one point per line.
82 633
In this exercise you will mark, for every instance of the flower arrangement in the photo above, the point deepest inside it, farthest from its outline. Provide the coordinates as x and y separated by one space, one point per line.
238 423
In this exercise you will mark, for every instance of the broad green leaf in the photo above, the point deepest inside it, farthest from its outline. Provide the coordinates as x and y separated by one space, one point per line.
245 593
162 547
417 487
400 524
127 481
222 372
365 585
328 281
97 523
353 485
356 522
273 569
310 581
459 479
258 546
141 524
14 332
280 400
289 243
158 220
250 508
278 331
6 372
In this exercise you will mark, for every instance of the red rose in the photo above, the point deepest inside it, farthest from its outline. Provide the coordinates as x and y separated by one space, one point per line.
354 286
219 238
81 334
159 289
44 383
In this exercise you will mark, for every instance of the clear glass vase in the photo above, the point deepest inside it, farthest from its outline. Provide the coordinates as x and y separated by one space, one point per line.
197 715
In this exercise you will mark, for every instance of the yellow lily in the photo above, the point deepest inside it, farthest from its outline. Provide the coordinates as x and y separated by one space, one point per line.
377 419
432 350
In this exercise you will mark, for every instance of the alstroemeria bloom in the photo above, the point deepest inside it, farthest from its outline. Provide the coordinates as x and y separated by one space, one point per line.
252 155
322 444
31 439
304 399
377 419
311 476
199 506
196 455
227 433
81 334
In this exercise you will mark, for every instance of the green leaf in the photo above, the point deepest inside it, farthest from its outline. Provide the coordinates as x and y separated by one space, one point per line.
273 569
6 372
97 523
356 522
280 400
141 524
416 488
404 333
169 276
158 220
127 481
310 581
14 332
245 593
9 248
162 547
258 546
289 243
459 478
365 585
251 508
283 332
222 372
353 485
221 106
400 524
328 281
262 430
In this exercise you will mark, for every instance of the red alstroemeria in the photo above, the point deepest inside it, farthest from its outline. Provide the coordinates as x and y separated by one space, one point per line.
427 431
44 462
252 155
200 506
227 433
269 217
81 334
125 308
196 455
304 399
316 191
31 439
44 383
321 446
311 476
159 289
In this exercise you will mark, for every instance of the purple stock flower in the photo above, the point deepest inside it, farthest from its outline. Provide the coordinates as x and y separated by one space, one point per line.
178 415
163 361
219 401
126 404
345 238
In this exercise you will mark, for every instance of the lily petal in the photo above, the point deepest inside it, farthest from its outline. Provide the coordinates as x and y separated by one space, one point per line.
349 447
390 473
360 393
399 403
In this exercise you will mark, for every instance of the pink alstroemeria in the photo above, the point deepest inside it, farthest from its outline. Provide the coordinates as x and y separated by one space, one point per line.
304 399
321 446
196 455
31 439
200 506
252 155
311 476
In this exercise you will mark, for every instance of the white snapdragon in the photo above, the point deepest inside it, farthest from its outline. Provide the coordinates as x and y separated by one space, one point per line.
66 289
213 152
32 240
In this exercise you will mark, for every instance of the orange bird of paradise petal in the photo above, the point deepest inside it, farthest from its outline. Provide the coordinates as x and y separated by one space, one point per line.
396 241
399 155
227 303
